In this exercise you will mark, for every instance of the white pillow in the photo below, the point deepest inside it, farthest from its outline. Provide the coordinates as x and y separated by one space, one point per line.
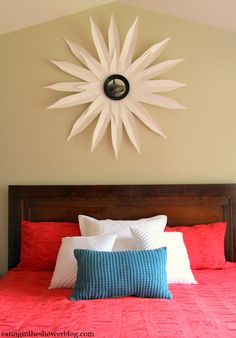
178 265
90 226
64 275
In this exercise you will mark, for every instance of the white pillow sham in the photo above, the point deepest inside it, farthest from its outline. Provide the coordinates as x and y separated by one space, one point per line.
64 275
90 226
178 264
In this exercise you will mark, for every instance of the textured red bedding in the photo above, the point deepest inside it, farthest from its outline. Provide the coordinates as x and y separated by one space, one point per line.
208 309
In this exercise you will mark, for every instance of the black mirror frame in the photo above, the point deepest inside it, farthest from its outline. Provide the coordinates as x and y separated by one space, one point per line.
114 77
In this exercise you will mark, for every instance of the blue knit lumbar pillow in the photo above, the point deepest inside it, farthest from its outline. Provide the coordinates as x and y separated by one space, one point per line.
121 273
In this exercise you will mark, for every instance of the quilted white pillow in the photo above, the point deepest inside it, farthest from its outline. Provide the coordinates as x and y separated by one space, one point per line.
178 265
90 226
64 275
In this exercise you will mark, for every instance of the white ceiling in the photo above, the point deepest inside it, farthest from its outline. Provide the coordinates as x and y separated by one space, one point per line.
18 14
215 13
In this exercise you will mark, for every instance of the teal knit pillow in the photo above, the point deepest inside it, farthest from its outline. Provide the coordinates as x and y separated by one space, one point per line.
121 273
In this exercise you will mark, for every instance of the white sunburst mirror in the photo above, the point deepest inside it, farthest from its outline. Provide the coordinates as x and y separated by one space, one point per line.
116 86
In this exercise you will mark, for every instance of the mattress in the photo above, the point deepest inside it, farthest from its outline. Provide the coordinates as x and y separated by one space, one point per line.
28 307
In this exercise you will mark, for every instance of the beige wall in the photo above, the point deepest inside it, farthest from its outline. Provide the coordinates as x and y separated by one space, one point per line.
201 140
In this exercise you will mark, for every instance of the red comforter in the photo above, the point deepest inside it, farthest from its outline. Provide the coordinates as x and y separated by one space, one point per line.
28 308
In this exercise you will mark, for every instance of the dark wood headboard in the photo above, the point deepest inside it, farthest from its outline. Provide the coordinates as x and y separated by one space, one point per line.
183 204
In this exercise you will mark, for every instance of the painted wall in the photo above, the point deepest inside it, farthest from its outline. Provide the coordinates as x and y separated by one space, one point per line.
201 140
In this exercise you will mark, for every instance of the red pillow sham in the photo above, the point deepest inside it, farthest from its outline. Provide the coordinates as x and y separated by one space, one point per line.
205 244
40 242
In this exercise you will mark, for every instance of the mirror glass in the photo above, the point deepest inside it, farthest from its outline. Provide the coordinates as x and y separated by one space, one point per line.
116 87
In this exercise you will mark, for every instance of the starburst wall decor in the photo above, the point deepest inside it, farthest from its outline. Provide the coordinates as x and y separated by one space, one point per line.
116 86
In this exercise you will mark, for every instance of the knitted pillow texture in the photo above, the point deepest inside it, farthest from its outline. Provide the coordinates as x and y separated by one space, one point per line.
121 273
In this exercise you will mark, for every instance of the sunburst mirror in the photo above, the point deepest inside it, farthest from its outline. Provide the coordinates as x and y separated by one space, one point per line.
116 86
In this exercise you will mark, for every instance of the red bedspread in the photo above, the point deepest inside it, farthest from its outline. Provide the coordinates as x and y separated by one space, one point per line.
204 310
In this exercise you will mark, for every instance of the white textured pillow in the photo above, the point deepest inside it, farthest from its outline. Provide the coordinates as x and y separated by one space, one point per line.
64 275
90 226
178 265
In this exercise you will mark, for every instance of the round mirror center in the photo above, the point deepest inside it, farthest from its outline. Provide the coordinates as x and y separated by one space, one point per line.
116 87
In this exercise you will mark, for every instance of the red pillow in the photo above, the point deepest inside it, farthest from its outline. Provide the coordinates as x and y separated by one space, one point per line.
205 244
40 242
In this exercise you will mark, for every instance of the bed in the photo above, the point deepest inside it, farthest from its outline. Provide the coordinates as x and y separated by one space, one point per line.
207 309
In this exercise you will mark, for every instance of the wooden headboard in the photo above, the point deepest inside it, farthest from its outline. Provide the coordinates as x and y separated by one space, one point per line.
183 204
